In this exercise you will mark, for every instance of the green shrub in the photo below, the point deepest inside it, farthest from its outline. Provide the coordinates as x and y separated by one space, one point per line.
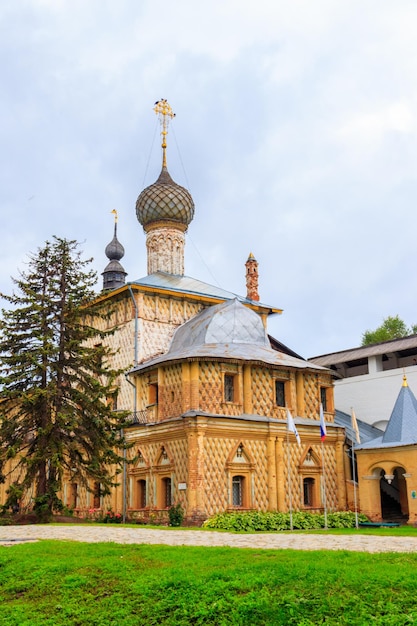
256 521
176 515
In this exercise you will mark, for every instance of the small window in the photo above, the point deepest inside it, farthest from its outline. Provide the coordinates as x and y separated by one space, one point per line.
229 388
167 491
237 490
323 397
308 491
141 494
279 393
96 496
153 393
74 496
112 401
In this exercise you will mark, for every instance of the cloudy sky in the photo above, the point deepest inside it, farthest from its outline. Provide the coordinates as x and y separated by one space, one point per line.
295 131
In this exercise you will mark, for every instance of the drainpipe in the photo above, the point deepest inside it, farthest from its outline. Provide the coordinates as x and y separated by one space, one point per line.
124 489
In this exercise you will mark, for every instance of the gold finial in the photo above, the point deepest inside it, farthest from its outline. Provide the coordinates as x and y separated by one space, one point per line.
165 113
405 383
115 215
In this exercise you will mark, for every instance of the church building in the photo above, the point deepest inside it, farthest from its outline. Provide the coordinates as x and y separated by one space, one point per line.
209 392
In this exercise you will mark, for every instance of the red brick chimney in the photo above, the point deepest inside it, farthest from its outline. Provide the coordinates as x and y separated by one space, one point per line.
252 278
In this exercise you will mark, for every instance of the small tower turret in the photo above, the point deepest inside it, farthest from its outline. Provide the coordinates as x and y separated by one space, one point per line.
252 278
114 275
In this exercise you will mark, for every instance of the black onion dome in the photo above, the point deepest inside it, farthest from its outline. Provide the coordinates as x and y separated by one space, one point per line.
114 250
165 200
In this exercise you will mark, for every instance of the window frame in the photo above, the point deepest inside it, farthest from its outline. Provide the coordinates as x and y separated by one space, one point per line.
309 488
283 384
239 481
141 493
229 387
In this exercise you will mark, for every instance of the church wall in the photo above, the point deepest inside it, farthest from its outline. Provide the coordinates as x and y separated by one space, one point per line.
211 387
158 319
263 391
202 458
312 385
170 403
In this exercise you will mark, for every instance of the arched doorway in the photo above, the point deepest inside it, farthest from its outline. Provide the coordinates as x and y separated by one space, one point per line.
393 490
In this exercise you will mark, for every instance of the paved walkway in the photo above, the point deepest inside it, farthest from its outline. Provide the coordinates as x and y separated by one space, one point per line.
11 535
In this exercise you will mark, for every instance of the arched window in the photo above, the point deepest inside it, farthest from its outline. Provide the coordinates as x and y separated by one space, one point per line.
141 494
238 483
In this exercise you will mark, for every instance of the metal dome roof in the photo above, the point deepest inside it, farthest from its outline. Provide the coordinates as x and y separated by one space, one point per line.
164 200
226 323
226 331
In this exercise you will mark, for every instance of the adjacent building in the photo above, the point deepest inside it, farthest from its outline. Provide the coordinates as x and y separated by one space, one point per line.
387 464
367 378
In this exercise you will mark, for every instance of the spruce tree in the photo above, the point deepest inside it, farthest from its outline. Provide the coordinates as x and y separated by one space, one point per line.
56 382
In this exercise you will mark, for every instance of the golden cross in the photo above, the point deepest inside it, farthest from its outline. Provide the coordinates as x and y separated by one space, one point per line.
165 114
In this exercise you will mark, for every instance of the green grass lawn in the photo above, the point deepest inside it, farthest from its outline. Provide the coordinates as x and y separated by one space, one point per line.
68 583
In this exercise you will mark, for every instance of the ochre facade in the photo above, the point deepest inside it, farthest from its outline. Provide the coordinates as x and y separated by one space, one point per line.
189 444
198 452
381 471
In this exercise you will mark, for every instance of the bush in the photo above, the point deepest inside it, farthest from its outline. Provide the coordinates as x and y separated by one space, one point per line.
256 521
176 515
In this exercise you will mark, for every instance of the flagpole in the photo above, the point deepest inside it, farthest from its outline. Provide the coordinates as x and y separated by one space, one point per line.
290 427
323 434
355 499
289 478
324 486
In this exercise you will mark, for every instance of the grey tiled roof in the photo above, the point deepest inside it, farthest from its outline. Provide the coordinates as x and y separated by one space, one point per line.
186 284
366 431
394 345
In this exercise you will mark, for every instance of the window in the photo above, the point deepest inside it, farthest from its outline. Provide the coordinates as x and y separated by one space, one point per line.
74 496
167 491
96 496
308 491
237 490
153 393
141 494
229 388
279 393
323 397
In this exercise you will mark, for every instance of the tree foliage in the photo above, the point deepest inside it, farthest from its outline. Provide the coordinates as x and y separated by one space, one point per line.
391 328
56 380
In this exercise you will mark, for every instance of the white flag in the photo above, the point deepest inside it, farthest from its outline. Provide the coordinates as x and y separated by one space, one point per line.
323 429
291 427
355 427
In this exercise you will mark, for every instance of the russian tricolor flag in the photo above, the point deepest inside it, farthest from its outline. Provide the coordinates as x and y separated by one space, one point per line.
323 431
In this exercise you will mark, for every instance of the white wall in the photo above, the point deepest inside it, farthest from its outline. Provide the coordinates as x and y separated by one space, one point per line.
373 395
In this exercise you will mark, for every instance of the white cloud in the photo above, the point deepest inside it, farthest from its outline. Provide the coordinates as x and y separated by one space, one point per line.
295 123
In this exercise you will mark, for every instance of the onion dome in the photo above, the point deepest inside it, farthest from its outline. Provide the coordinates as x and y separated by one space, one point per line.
164 201
114 274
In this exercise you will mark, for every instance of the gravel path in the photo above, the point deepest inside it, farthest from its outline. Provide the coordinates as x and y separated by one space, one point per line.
11 535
